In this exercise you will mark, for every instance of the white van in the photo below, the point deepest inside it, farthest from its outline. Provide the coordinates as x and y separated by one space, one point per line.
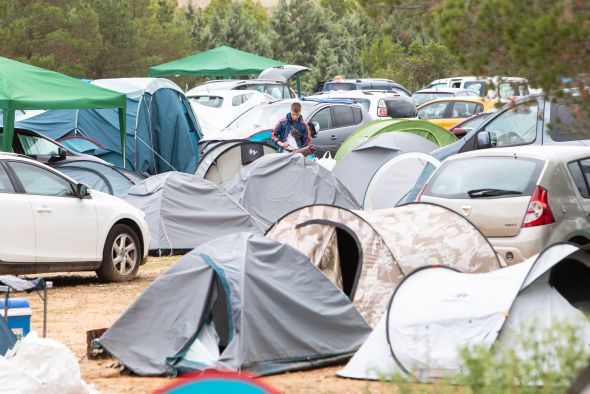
502 88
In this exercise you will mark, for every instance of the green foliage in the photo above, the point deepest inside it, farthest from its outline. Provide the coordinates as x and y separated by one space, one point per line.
540 40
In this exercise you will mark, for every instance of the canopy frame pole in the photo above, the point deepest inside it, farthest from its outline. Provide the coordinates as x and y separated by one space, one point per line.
8 135
298 81
122 121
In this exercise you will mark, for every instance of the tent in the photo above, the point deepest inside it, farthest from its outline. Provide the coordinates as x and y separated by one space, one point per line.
223 160
356 169
97 176
23 87
459 310
423 128
162 136
7 338
184 211
367 253
222 61
238 302
276 184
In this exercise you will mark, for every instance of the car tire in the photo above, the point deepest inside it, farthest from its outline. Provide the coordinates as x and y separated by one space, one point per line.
121 255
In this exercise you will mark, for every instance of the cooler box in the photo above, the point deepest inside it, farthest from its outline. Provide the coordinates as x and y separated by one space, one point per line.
19 315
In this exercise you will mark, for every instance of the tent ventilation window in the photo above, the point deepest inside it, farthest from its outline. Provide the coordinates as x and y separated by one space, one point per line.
570 278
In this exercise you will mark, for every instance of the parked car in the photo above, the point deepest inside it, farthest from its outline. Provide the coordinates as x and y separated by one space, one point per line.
503 88
447 112
43 149
380 105
425 95
522 198
51 224
276 89
532 120
462 128
214 109
385 85
333 119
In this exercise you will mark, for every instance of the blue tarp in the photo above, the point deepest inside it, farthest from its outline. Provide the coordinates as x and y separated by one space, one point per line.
162 137
7 338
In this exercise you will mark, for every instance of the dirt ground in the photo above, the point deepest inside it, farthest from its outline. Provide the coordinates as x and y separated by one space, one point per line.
79 302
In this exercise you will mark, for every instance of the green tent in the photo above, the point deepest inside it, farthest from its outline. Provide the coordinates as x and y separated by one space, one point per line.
423 128
222 61
23 87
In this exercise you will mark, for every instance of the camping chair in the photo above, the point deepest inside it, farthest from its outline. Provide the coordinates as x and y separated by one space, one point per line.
17 284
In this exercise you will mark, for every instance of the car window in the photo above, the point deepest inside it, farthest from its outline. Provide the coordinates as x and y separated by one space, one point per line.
5 183
478 87
338 86
568 122
462 109
343 116
39 181
364 102
516 126
421 98
580 178
358 115
209 101
237 100
455 178
323 118
433 111
37 146
398 108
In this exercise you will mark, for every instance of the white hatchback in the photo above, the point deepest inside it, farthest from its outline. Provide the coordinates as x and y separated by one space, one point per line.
50 223
521 198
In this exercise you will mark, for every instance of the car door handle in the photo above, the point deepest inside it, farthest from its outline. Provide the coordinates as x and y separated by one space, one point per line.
333 137
44 209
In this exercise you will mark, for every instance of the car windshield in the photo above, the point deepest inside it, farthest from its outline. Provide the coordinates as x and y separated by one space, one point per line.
421 98
262 117
339 86
37 146
477 177
507 90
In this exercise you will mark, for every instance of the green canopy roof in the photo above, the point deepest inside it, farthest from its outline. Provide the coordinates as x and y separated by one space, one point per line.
222 61
23 87
423 128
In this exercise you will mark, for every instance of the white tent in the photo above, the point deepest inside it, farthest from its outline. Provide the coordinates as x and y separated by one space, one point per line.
436 311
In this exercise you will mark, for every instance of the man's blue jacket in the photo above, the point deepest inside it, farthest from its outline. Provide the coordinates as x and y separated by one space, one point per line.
283 128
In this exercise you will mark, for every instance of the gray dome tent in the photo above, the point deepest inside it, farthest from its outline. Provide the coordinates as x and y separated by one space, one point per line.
367 253
459 310
242 293
356 169
222 161
98 176
184 211
276 184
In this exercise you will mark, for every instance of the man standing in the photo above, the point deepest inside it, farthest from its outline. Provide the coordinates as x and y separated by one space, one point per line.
292 134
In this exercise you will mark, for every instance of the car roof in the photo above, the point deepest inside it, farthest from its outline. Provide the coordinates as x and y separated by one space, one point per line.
356 94
546 152
221 93
442 90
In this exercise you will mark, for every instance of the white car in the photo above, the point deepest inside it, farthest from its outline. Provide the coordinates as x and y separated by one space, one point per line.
215 109
380 105
523 198
50 223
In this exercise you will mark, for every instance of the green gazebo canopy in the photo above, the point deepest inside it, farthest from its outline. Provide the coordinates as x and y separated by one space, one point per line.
26 87
222 61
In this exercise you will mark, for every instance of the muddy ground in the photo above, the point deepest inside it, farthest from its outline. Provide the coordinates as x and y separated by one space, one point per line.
79 302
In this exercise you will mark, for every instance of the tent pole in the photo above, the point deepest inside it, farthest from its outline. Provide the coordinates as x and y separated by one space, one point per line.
8 134
122 121
298 80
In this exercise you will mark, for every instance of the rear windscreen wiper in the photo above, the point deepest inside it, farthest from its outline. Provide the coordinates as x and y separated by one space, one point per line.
489 192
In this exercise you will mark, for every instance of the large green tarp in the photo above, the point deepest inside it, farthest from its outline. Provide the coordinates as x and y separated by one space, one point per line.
222 61
23 87
423 128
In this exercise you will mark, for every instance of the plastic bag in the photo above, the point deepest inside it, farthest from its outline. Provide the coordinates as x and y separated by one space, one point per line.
327 161
41 366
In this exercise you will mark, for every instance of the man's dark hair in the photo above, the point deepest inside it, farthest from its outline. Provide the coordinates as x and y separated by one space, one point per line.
296 107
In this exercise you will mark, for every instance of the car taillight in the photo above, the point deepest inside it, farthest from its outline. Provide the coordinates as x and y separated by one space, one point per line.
421 192
538 212
381 108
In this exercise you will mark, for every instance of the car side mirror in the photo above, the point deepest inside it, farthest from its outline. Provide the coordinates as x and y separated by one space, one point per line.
81 190
483 140
62 153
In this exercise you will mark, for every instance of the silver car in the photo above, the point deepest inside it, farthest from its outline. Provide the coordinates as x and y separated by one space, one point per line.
522 198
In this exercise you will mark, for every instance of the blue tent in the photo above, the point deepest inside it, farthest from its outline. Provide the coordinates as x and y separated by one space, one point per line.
7 338
162 131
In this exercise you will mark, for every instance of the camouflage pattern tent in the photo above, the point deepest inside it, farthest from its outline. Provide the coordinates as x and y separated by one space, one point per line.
367 253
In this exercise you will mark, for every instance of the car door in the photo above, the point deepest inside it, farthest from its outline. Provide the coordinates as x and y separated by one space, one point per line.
516 126
65 226
325 139
435 112
17 226
345 119
459 111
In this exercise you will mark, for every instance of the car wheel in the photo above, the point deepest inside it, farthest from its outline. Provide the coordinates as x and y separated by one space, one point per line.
121 255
